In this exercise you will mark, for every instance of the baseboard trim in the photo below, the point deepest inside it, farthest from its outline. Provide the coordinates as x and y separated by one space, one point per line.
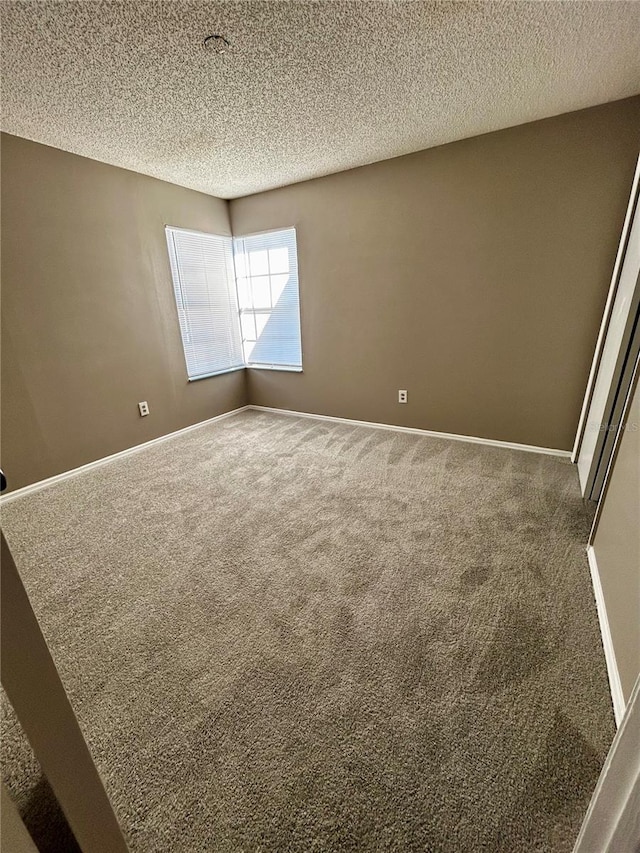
507 445
58 478
615 685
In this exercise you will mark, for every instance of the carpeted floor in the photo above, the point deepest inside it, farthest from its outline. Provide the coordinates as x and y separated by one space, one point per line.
282 634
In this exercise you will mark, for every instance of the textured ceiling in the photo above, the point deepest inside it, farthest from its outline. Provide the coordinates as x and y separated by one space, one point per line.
305 88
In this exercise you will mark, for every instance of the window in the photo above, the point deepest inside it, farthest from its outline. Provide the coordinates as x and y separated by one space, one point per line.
237 300
204 286
267 281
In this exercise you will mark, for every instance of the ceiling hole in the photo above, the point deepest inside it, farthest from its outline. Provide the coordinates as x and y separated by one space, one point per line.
217 43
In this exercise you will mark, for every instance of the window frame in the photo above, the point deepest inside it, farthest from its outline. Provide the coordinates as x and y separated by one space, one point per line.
182 313
277 367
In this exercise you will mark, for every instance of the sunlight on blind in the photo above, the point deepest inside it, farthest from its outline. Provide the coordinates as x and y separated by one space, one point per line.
267 283
204 286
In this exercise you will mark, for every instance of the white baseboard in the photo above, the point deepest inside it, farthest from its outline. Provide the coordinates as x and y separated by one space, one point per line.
509 445
615 685
58 478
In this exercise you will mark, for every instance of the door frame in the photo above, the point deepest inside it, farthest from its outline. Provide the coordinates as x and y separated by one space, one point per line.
612 822
632 205
32 683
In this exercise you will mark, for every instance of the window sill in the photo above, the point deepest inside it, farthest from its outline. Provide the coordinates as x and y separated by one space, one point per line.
274 367
216 373
246 367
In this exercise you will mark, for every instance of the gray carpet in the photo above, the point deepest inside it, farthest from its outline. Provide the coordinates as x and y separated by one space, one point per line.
282 634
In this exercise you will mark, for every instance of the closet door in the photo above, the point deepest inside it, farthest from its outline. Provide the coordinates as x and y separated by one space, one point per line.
617 350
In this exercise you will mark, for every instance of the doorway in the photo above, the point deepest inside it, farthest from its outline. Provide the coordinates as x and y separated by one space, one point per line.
616 354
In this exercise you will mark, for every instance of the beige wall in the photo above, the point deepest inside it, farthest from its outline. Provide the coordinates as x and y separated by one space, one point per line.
617 548
89 325
14 837
474 275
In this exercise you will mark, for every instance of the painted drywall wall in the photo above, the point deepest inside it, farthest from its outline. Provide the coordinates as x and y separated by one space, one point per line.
617 549
473 275
14 837
89 323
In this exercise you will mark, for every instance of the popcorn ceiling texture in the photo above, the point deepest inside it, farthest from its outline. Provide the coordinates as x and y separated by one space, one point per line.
306 89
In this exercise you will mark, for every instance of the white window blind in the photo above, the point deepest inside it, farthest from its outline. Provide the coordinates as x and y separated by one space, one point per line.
204 286
267 282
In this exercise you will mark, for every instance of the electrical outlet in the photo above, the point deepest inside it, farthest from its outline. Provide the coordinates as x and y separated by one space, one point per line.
144 408
402 396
